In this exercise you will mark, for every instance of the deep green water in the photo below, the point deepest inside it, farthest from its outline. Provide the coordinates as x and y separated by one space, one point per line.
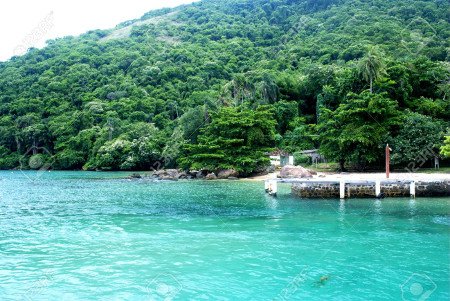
91 236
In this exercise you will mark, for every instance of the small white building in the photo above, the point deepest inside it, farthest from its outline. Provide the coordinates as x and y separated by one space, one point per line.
280 159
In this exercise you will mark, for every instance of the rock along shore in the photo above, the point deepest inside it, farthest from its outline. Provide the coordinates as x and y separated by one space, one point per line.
176 174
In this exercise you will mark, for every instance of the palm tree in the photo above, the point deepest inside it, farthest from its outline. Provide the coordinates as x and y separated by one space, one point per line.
372 66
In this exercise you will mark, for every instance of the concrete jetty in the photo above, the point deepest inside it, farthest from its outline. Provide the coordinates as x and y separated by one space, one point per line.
377 188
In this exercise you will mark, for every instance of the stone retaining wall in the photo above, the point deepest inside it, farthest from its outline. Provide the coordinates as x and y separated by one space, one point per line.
388 189
435 188
316 190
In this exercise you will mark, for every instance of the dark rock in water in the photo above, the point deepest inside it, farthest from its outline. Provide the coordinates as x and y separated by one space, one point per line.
381 196
159 172
167 178
183 175
135 176
226 173
193 173
168 174
175 173
290 171
211 176
322 281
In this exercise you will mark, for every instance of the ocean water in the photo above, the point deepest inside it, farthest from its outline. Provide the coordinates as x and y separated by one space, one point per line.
95 236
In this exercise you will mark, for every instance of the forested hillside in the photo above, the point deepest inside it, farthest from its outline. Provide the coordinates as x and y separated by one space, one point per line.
217 84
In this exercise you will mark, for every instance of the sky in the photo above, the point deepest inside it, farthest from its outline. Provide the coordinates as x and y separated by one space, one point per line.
29 23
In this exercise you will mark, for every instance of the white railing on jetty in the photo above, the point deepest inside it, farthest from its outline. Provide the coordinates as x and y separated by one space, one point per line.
271 186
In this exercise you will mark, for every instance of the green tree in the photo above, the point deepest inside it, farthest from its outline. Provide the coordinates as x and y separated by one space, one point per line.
300 137
418 135
372 66
173 149
112 155
285 113
445 149
357 131
236 138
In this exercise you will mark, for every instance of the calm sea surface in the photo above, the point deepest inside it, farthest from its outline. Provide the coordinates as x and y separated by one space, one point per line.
95 236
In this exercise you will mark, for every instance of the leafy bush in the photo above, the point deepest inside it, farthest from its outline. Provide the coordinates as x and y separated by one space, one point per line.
69 159
301 159
10 161
445 149
419 136
36 161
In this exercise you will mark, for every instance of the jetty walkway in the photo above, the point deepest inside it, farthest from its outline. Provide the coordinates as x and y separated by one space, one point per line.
346 188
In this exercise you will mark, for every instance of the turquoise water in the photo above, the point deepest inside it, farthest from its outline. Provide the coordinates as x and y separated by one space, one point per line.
92 236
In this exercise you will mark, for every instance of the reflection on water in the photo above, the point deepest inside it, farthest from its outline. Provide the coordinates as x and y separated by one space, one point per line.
442 220
271 202
341 210
378 211
412 207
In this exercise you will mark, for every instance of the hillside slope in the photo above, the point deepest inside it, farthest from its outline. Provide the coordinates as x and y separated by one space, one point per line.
149 92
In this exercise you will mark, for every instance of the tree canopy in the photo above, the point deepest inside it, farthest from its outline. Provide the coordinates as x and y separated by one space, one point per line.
236 139
337 75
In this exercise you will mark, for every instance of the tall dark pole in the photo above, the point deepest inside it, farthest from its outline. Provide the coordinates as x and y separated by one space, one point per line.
388 160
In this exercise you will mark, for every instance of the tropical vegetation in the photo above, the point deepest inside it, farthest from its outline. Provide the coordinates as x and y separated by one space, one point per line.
219 84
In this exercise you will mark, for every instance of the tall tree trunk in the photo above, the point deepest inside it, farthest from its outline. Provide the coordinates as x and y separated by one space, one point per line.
18 145
371 85
342 164
34 146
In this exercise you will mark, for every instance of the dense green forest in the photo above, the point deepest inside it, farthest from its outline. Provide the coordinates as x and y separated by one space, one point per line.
218 84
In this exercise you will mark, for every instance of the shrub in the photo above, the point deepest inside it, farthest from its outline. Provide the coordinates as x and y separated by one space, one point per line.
301 159
36 161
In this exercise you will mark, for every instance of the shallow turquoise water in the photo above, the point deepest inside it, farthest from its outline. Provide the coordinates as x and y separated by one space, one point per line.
92 236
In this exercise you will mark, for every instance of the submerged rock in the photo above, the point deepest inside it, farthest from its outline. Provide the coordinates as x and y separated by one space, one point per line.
290 171
135 176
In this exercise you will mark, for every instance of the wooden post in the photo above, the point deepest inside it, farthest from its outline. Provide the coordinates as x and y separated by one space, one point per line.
342 189
388 160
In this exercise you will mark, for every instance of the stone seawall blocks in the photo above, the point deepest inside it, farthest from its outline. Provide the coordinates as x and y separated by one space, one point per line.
313 190
387 188
434 189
